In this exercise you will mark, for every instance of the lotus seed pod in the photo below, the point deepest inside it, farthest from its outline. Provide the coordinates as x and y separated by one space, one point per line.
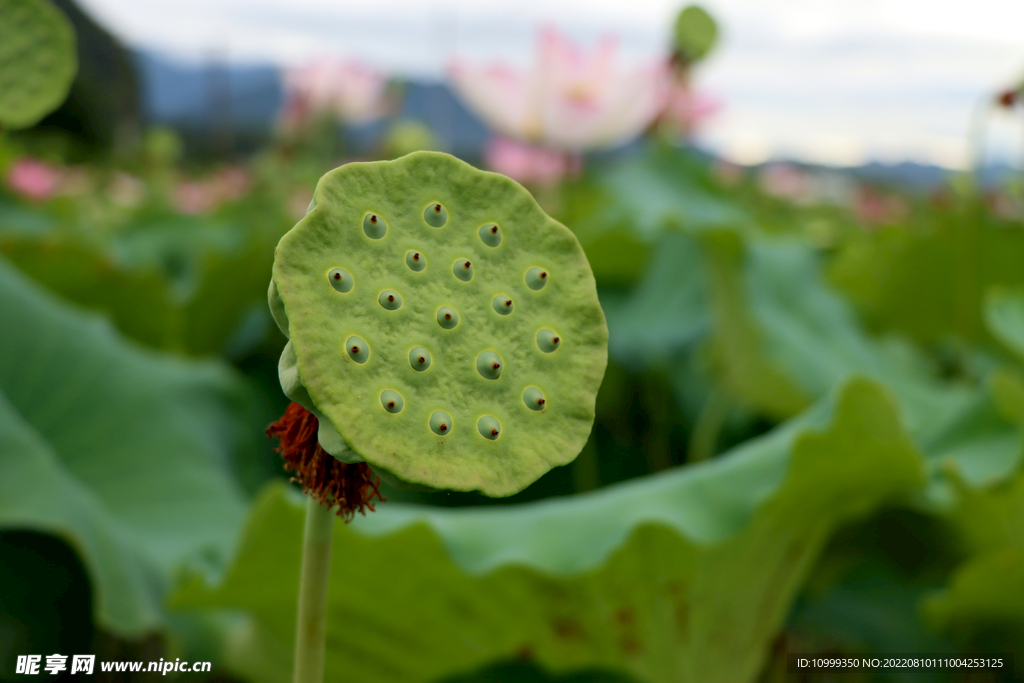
341 280
419 359
441 423
490 235
534 399
463 270
390 300
392 402
489 365
277 309
447 317
435 215
489 427
548 340
374 226
536 278
37 61
345 388
502 304
416 261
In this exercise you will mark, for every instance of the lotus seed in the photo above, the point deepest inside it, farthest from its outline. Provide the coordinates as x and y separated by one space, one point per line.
416 261
489 427
358 350
441 423
390 300
392 402
374 226
488 364
502 305
548 341
463 270
435 215
447 317
534 399
419 359
536 278
490 235
341 280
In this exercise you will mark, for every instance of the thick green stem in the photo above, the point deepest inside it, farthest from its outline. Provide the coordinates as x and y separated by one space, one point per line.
311 629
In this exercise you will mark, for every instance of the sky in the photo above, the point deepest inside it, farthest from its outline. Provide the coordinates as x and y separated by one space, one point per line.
837 82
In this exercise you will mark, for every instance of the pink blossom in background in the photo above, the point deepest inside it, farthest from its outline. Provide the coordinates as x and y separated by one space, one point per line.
571 99
346 90
33 179
195 197
686 109
529 164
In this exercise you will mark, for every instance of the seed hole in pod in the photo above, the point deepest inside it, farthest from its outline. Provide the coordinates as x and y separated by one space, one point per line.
390 300
489 427
419 359
357 349
502 305
489 365
341 280
463 270
441 423
416 261
534 399
374 226
435 215
447 317
536 278
548 340
392 402
490 235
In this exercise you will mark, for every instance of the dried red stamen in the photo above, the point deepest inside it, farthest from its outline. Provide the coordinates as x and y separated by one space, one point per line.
328 480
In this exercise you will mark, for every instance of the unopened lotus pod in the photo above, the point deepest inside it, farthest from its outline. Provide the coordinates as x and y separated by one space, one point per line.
37 60
463 423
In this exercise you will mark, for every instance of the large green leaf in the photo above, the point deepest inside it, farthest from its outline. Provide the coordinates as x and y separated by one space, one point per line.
683 576
121 452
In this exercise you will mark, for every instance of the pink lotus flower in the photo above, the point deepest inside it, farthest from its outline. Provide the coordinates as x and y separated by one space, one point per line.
348 91
529 164
33 179
687 109
571 99
195 197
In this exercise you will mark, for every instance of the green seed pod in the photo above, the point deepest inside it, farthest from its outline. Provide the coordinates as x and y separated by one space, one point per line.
416 261
435 215
548 341
409 447
489 365
37 61
536 278
389 299
392 402
534 399
374 226
419 359
502 304
341 280
441 423
489 427
490 235
463 270
357 350
447 317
